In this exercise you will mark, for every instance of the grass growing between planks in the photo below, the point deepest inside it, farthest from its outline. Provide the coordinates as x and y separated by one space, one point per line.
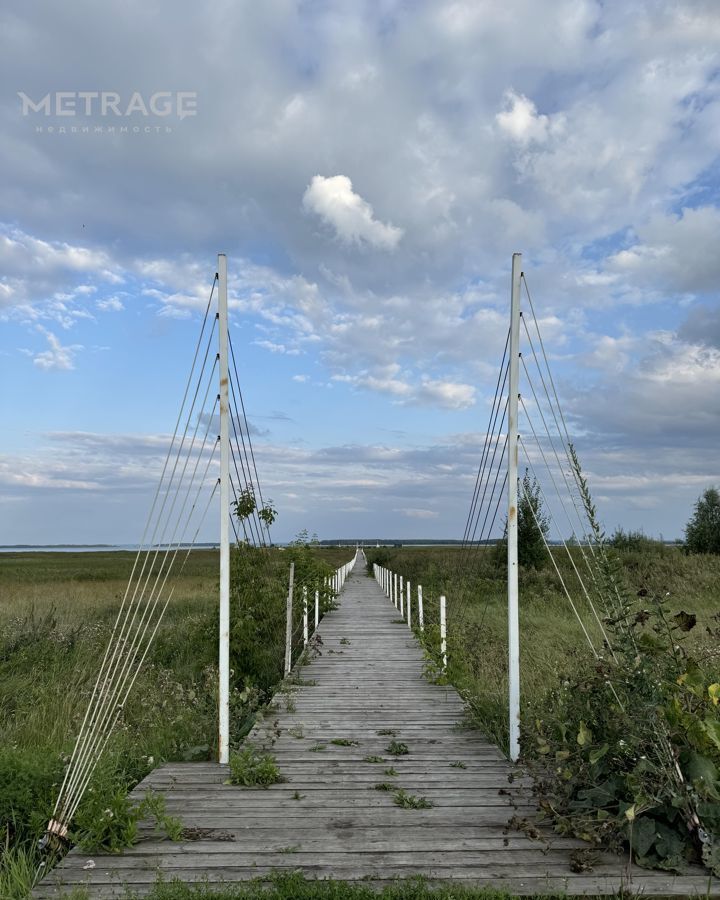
296 887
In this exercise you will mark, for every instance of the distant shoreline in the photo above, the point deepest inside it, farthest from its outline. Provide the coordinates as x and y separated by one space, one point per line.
92 548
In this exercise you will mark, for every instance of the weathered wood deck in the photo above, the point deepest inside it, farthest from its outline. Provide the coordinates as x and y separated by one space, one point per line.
328 820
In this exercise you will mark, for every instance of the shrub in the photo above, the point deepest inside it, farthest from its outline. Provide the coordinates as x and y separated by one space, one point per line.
627 750
108 822
28 783
634 541
702 533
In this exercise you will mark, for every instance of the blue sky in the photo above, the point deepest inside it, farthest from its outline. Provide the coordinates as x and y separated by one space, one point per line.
369 168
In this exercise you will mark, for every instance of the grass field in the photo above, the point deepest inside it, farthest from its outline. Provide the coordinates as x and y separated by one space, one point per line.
56 611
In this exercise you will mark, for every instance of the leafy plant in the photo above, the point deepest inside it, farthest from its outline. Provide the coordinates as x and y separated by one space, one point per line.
397 748
250 768
115 827
410 801
246 504
627 750
390 772
344 742
373 759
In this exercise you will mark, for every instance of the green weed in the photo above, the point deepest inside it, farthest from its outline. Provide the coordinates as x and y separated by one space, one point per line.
397 748
410 801
250 768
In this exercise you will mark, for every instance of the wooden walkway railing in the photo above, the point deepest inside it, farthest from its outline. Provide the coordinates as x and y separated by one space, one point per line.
363 689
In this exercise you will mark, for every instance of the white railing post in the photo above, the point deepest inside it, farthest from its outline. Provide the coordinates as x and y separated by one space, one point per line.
395 599
288 621
317 609
421 615
402 599
443 633
305 617
408 605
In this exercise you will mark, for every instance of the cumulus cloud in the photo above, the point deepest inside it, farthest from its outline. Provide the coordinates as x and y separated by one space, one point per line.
520 120
334 200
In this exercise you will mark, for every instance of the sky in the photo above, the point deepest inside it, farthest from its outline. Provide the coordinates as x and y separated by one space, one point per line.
369 168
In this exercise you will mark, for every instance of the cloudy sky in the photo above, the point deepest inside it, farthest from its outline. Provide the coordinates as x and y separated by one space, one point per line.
369 167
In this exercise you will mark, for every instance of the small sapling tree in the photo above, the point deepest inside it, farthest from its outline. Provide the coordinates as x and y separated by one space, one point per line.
702 532
533 526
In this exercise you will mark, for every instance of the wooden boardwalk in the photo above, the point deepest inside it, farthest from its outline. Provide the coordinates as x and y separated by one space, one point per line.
329 821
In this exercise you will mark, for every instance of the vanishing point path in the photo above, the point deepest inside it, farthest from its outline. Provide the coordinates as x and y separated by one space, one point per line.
365 679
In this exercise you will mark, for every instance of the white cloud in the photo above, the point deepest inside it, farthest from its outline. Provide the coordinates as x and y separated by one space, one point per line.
334 200
277 348
413 513
57 356
407 390
520 120
450 394
110 304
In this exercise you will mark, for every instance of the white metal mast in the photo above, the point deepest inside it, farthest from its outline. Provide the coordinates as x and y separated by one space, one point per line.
512 512
224 648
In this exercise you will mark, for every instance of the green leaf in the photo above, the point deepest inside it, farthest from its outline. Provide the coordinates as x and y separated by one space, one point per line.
711 727
598 753
643 835
702 772
685 621
584 736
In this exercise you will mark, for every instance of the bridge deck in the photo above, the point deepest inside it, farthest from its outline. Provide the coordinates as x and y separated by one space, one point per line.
328 820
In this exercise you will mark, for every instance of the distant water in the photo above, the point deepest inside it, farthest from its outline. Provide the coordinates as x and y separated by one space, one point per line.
87 548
